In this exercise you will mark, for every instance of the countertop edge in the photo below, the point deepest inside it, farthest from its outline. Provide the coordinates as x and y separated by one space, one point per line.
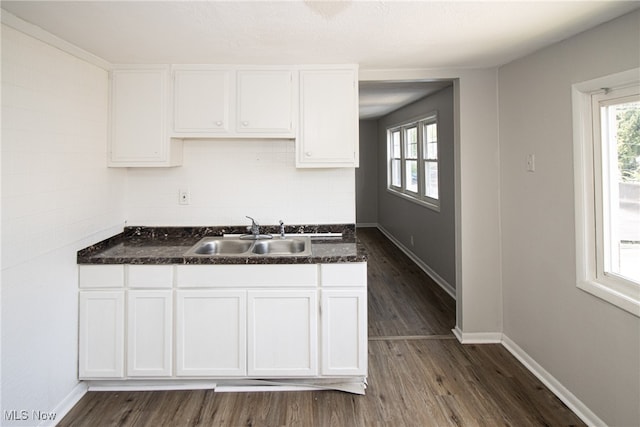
184 237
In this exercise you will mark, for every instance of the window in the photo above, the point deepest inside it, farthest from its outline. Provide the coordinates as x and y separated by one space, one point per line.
413 161
607 182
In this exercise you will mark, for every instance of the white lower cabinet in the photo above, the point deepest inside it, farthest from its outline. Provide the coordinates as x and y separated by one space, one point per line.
101 334
211 333
282 333
223 321
344 332
149 333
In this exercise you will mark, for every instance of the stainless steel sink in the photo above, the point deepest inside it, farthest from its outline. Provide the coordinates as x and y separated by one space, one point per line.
291 246
222 247
236 247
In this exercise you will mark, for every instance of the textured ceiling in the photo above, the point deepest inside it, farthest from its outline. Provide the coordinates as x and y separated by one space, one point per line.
373 34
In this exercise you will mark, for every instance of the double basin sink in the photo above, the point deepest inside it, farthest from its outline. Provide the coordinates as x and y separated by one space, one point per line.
237 247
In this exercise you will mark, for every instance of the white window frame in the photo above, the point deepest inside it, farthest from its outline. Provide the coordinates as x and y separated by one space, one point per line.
590 250
418 197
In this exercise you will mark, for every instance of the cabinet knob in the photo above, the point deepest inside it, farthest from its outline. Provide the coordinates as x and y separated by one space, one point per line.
218 123
245 124
308 153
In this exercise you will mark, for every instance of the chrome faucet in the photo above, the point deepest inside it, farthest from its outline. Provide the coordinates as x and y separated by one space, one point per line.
281 229
254 228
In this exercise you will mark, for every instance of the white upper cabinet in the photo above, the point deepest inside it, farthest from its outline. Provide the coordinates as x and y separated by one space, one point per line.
235 103
328 135
265 101
202 100
139 113
154 107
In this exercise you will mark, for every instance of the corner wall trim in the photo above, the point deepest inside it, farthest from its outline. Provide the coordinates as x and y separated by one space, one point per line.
67 403
477 337
568 398
44 36
424 267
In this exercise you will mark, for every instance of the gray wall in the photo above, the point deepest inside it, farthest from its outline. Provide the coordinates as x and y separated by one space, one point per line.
433 232
367 174
589 345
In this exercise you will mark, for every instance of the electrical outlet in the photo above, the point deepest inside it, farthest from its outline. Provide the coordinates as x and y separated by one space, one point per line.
184 198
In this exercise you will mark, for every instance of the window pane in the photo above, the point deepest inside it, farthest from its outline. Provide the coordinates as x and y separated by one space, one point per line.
412 175
621 188
412 143
396 177
431 179
431 141
395 138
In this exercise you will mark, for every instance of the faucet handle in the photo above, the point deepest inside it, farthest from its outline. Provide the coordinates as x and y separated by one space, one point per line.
255 229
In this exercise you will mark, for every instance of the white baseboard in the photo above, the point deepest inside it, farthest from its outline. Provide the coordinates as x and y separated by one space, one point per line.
67 403
155 385
367 225
451 290
477 337
356 385
568 398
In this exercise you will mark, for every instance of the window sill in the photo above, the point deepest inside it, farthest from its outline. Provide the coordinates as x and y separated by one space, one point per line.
629 302
433 206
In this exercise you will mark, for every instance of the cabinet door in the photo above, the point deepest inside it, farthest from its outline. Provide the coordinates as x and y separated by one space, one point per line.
282 333
149 332
265 101
138 119
344 332
211 333
328 135
202 100
101 334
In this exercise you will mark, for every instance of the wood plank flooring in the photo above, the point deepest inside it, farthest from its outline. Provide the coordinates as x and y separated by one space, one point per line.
419 374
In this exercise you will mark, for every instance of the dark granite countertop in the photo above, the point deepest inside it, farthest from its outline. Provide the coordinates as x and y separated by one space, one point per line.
168 245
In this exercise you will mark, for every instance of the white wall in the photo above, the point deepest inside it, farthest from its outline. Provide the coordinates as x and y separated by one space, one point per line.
57 197
229 179
590 346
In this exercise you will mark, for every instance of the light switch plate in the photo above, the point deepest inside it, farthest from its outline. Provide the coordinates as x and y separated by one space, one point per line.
531 162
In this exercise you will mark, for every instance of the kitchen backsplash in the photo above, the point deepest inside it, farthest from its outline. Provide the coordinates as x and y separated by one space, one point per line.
229 179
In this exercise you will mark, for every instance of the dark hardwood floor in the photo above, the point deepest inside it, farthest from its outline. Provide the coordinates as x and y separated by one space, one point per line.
419 374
